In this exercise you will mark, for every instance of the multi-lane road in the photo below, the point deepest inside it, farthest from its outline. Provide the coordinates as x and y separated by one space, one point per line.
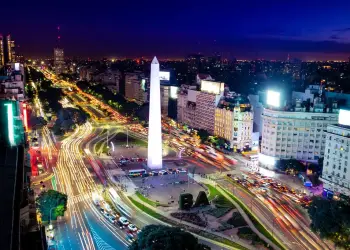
85 228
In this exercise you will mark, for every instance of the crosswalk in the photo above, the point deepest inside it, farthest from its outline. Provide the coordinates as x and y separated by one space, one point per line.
79 198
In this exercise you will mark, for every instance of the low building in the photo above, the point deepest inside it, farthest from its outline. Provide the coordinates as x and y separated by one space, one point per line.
335 173
109 78
235 124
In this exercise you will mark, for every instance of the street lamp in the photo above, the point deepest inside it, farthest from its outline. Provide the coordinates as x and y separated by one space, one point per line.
50 215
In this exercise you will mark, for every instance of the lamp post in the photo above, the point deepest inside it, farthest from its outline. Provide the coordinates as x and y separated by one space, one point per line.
50 213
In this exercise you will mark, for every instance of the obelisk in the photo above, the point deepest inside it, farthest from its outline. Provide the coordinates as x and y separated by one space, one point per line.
154 160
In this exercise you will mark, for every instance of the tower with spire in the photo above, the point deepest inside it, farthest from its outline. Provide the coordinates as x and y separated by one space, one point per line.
58 54
154 159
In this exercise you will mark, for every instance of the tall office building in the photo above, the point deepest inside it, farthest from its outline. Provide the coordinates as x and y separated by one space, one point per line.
136 87
296 133
59 61
7 50
2 51
335 174
10 53
154 160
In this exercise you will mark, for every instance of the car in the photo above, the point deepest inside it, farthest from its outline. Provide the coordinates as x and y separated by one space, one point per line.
124 221
130 237
111 219
119 224
163 172
102 210
154 173
132 227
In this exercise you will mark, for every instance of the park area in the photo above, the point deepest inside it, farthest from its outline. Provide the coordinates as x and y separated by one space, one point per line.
209 210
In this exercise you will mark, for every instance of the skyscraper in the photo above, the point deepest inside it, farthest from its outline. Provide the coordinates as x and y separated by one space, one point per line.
7 50
59 60
2 52
154 124
58 55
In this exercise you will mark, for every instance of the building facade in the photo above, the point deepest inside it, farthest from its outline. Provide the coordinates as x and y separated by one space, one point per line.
197 108
294 134
7 50
136 87
59 60
235 125
336 163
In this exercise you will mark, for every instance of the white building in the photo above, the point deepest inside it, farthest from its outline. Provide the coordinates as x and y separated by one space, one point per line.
294 134
235 125
336 164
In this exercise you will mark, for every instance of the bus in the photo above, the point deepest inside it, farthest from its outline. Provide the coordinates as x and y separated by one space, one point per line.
305 179
136 172
123 209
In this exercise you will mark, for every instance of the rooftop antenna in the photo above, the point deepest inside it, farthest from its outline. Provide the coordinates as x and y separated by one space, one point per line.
58 37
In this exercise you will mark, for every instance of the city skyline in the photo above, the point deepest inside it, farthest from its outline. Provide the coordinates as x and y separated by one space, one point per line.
269 30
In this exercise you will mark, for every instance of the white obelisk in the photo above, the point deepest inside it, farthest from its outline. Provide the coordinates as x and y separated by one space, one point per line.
154 160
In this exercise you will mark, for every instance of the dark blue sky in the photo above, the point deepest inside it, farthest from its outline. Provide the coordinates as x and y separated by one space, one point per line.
245 29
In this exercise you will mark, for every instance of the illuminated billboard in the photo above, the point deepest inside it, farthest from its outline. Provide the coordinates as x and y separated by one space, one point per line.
273 98
143 84
164 75
212 87
17 66
173 92
344 117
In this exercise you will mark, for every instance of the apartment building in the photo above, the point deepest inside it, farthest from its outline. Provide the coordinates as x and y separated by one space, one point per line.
235 125
296 133
336 164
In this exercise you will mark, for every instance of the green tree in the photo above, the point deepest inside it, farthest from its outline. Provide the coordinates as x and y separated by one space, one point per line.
203 135
158 237
331 219
53 202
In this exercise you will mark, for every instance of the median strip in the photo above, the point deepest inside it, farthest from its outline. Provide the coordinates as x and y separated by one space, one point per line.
193 230
257 223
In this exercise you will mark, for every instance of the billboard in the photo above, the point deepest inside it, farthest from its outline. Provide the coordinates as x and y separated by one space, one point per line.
273 98
173 92
212 87
344 117
164 76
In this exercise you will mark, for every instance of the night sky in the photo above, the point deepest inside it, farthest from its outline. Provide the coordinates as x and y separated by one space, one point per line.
243 29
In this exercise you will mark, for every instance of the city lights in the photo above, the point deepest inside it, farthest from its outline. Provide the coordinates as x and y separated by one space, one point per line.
273 98
10 124
212 87
344 117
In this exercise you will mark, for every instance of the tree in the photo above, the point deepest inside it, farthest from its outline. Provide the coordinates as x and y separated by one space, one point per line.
53 202
166 238
203 134
331 219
